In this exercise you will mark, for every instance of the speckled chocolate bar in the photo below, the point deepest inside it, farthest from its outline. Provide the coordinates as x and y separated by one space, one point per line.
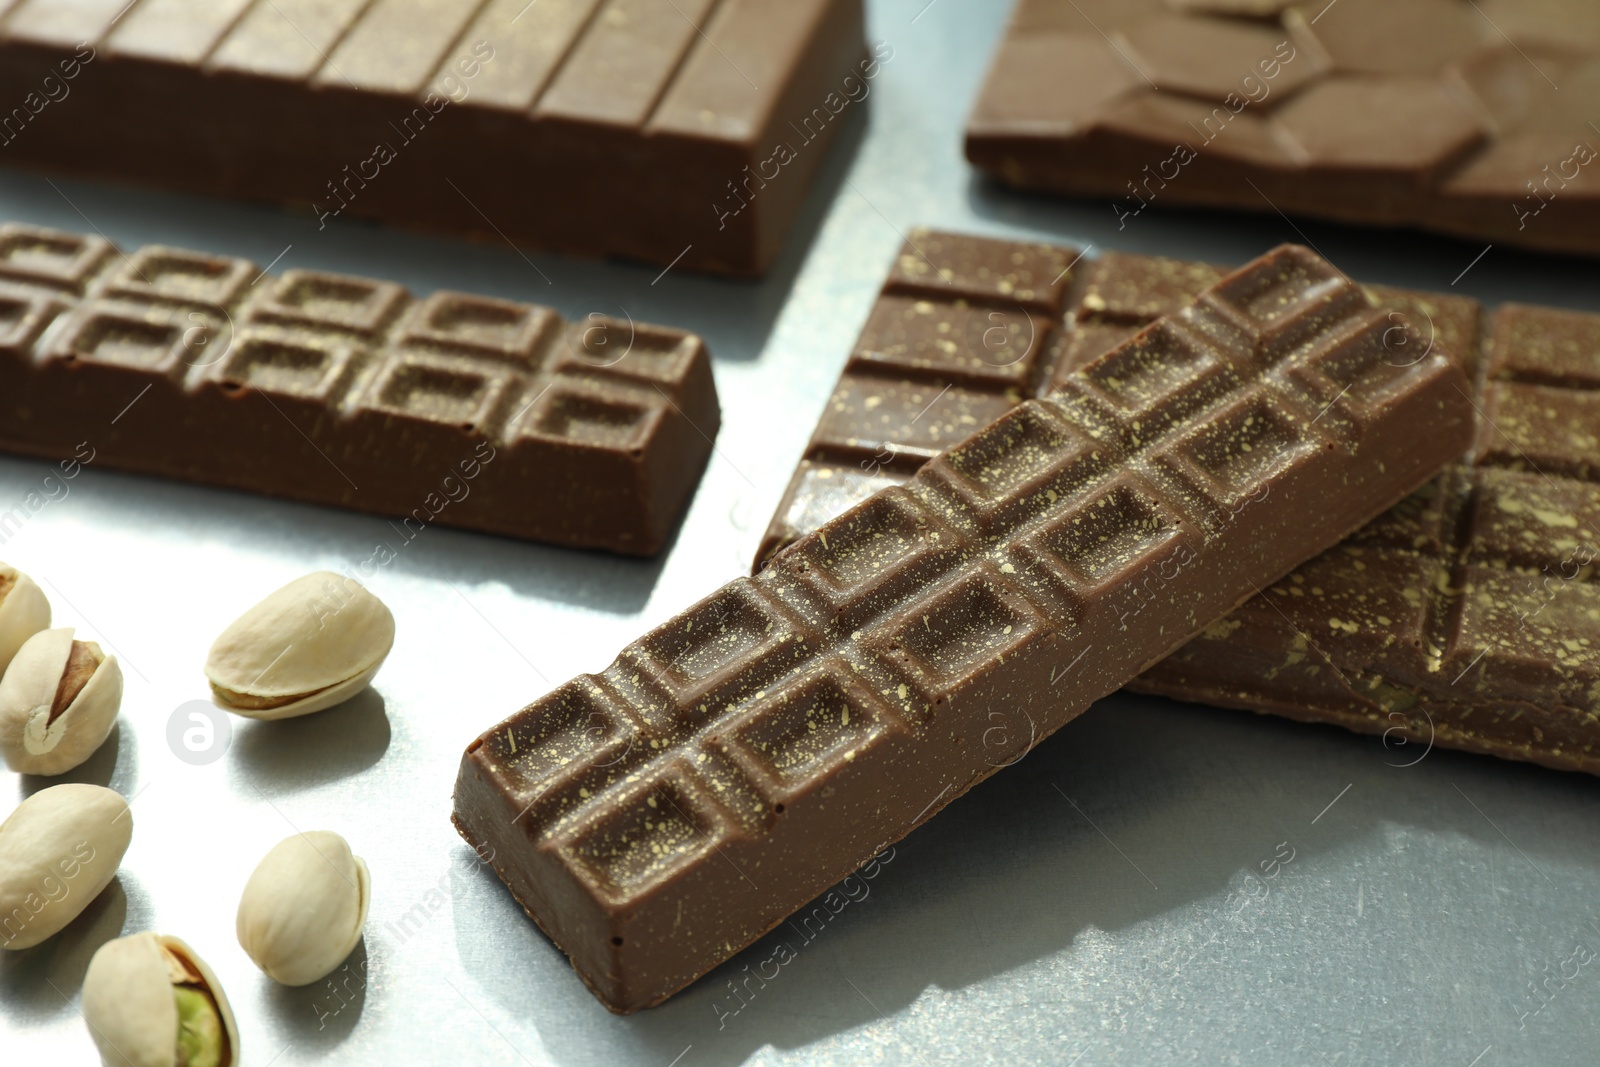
1467 617
966 328
1472 117
738 760
455 409
1493 563
684 132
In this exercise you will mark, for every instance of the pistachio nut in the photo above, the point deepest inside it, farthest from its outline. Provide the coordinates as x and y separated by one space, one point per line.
303 907
314 643
24 611
150 1001
58 850
58 702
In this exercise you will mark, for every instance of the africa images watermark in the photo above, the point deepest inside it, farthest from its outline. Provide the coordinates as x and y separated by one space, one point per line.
450 89
433 901
344 986
1566 172
1147 590
198 732
53 888
53 89
453 489
852 890
1555 980
51 490
1253 88
854 90
1170 965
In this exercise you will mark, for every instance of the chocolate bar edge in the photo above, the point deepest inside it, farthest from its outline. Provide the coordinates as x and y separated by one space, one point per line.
1507 726
1113 144
169 423
701 169
1406 736
475 786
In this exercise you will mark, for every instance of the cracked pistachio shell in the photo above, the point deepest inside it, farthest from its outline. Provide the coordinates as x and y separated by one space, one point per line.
24 611
130 1002
58 702
314 643
58 850
303 908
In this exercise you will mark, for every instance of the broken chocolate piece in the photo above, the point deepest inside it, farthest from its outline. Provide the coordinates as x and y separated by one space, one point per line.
1465 118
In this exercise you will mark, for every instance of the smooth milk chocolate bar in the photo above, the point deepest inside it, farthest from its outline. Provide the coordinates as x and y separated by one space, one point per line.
684 132
1470 117
738 760
462 410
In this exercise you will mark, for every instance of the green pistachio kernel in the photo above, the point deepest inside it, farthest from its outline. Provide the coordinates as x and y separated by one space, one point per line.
200 1038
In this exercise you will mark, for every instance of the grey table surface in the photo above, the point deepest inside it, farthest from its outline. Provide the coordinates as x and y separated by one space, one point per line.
1155 884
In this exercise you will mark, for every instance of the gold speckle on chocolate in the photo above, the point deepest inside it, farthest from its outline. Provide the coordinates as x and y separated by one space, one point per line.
1026 571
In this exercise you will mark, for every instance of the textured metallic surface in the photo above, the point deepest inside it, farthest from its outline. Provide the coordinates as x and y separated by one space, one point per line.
1155 884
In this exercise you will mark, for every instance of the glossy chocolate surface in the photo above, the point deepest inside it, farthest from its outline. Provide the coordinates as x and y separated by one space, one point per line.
1468 616
1492 565
738 760
966 328
634 128
1471 117
457 409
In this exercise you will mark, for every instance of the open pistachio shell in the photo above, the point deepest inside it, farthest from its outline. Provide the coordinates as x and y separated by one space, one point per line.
131 1003
24 611
58 702
58 850
304 907
314 643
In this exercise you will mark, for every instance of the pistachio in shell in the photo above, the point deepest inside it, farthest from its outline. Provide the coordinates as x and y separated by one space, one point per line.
304 907
151 1001
58 702
59 849
24 611
313 644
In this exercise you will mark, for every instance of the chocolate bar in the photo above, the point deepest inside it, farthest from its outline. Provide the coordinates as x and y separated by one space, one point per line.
968 327
686 132
738 760
1307 650
1468 118
1467 617
454 409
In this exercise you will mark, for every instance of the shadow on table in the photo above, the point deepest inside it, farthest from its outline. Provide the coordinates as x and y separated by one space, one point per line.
312 750
112 765
1409 258
598 581
321 1015
735 316
1140 808
42 982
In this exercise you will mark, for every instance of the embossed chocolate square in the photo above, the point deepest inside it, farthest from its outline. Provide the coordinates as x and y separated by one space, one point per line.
457 409
747 754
